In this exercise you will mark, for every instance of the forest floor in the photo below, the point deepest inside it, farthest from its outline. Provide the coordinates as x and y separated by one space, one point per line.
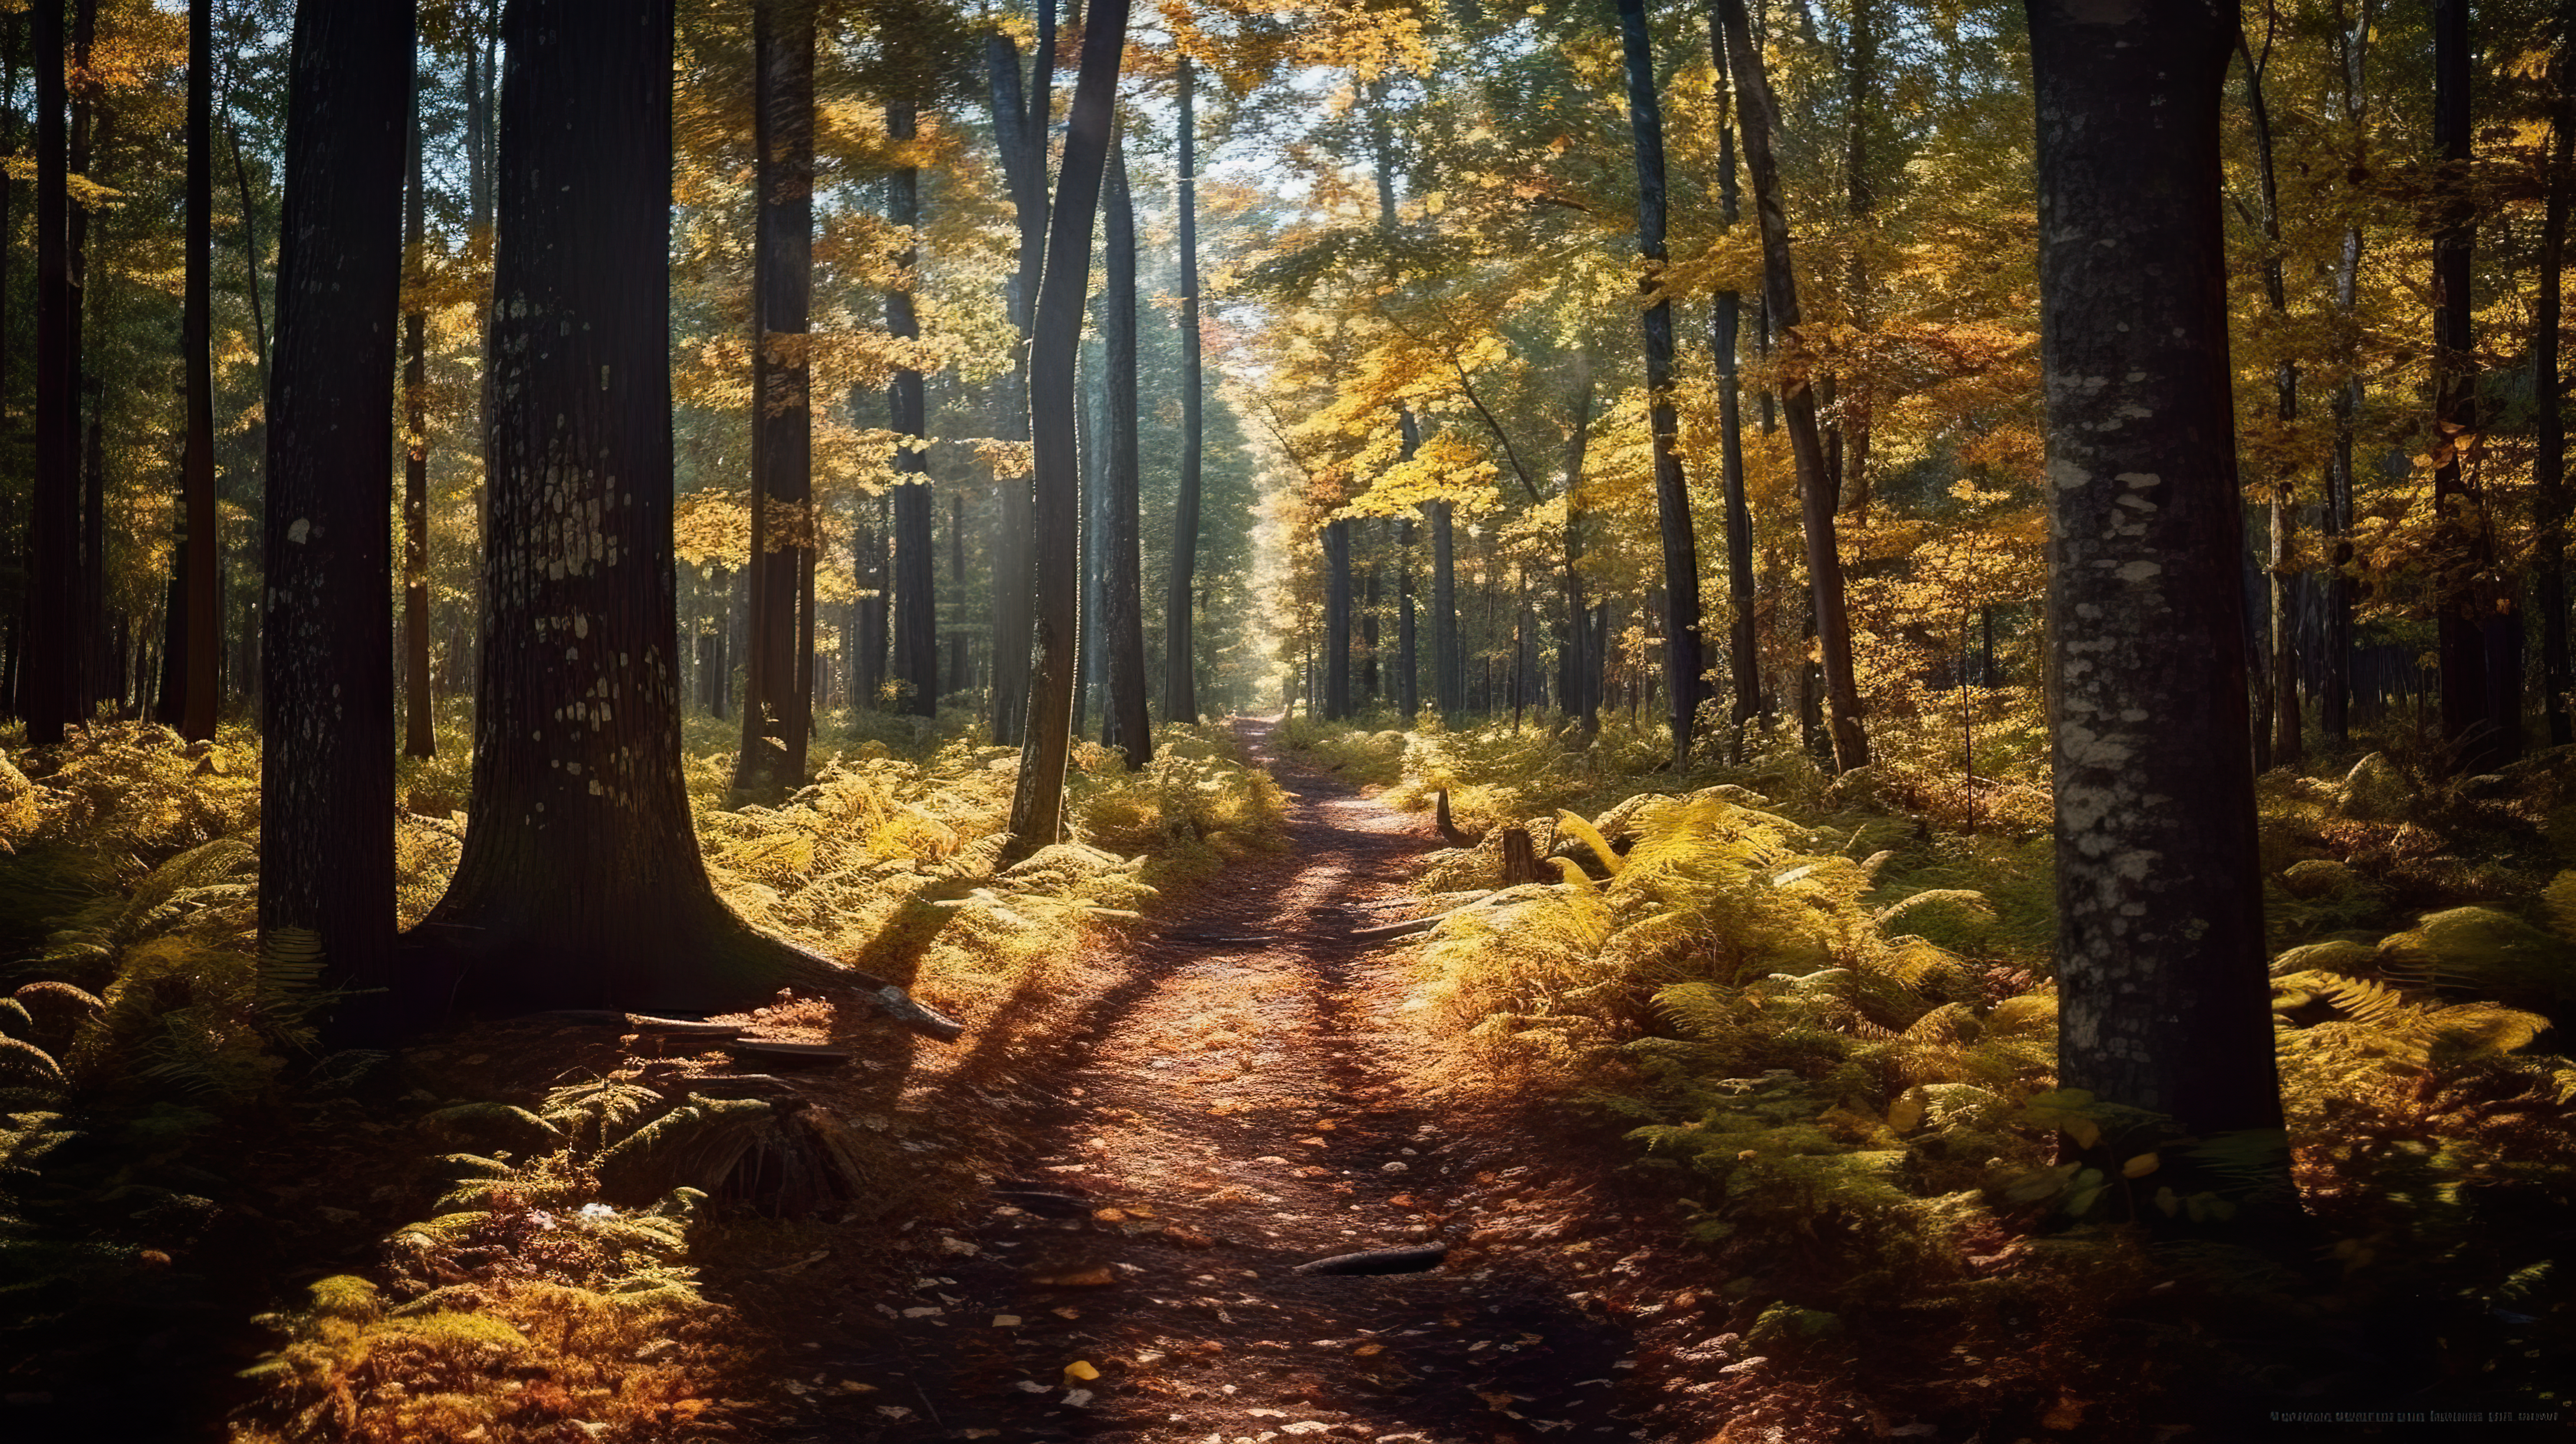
1242 1094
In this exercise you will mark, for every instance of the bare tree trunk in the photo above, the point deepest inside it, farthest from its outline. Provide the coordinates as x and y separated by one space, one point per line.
2352 39
1337 620
196 633
2549 467
1180 656
1725 323
1682 664
916 614
2160 918
46 691
1755 112
1122 587
1037 803
1021 116
326 882
2288 747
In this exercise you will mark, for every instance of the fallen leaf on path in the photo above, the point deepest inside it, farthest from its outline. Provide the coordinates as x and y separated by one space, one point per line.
1081 1371
1078 1398
1366 1350
1068 1313
1097 1276
1006 1321
1109 1215
1187 1237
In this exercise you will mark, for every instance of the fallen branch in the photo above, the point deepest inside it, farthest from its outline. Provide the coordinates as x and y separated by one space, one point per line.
1502 897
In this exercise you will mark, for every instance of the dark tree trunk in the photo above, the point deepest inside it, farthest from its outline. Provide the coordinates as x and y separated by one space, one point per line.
581 884
2549 467
916 604
1122 586
1448 649
1037 803
2288 747
958 680
1337 620
871 571
1180 654
420 737
46 691
187 693
2473 603
777 711
2334 704
2160 952
89 598
326 879
1573 654
1021 117
1816 494
1725 323
1682 661
1408 641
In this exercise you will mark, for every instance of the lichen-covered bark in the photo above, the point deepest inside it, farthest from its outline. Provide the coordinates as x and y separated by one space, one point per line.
326 763
580 884
2164 1004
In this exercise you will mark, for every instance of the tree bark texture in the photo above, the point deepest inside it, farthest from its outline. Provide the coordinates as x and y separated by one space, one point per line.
1122 588
916 602
1037 803
2160 922
581 884
1180 654
1682 654
777 710
326 764
2549 466
1757 114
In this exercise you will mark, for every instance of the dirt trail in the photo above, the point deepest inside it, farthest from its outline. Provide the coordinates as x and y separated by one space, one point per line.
1233 1112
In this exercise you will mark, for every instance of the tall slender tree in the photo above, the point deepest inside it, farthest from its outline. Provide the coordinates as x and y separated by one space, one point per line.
192 634
1122 585
1683 687
1037 803
1726 321
1758 115
1021 114
326 878
2160 948
2287 743
916 607
2549 466
777 712
1180 647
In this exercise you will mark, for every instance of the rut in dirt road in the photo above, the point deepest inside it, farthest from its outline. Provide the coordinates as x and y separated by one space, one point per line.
1230 1113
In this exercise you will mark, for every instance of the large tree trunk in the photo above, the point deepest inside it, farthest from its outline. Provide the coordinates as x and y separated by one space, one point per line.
2549 467
581 883
420 738
1726 322
1756 113
916 602
777 711
1180 655
46 690
2472 606
1021 116
2160 954
1682 664
1037 804
326 881
1122 588
188 695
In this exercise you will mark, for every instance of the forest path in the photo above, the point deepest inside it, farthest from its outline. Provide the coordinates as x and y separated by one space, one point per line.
1234 1110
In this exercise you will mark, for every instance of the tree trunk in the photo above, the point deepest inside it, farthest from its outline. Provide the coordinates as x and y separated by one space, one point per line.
2159 890
1122 588
916 604
1180 656
89 598
46 690
1448 651
2335 702
326 881
1864 87
1816 498
1572 653
958 680
2549 466
1037 804
1682 663
1408 666
2288 748
1021 117
1337 620
581 884
195 633
2471 600
420 738
777 710
1725 323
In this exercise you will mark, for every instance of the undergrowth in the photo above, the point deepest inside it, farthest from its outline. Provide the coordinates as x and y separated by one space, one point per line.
1824 1009
145 1046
